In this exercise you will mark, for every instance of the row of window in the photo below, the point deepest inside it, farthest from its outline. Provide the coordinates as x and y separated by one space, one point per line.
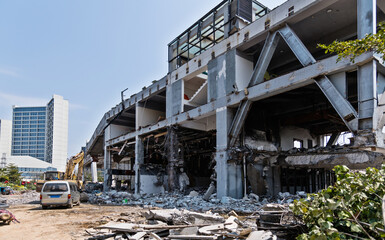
27 152
29 114
29 109
29 130
32 170
29 118
28 134
29 126
25 146
29 122
28 138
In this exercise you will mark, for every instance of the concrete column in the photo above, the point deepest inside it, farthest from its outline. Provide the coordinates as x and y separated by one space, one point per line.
229 173
139 160
172 151
107 161
94 172
367 74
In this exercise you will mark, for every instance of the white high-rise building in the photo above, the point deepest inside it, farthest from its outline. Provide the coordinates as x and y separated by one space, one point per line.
5 140
42 132
57 132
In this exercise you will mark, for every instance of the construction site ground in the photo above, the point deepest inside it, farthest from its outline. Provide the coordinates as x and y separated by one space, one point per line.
61 223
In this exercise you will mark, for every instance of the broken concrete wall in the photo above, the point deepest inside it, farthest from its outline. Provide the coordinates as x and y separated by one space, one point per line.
118 130
221 76
174 98
289 134
145 116
152 184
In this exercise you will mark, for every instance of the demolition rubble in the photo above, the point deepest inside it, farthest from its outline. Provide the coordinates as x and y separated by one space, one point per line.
194 201
192 217
268 221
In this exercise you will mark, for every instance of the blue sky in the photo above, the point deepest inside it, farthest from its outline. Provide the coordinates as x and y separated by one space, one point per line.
87 51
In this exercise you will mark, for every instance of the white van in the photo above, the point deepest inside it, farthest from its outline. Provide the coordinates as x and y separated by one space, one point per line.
59 193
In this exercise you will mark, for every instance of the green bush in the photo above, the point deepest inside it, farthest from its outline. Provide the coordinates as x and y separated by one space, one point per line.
351 209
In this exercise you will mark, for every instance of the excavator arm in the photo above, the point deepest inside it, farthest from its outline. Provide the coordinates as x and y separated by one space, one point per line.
71 164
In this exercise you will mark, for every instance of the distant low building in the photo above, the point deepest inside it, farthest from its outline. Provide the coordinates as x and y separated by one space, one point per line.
30 167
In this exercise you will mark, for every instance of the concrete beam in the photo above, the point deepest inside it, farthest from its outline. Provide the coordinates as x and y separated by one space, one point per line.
296 79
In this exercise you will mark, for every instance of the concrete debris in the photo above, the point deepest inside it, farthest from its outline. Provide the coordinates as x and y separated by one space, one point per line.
192 202
216 228
194 194
174 200
22 197
175 217
209 192
261 235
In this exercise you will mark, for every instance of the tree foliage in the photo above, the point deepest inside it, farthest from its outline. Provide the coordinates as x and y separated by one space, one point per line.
354 48
12 171
351 209
3 175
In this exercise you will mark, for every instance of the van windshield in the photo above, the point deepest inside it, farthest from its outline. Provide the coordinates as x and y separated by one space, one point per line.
55 187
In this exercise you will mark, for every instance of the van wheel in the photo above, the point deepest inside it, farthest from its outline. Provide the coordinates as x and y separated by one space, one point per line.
71 205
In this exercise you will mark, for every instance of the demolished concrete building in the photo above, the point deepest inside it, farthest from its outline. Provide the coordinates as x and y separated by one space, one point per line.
250 104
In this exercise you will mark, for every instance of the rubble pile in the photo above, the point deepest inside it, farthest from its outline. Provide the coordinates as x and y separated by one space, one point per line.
185 224
194 201
21 197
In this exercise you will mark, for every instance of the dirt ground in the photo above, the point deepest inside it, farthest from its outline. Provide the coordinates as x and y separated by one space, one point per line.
62 223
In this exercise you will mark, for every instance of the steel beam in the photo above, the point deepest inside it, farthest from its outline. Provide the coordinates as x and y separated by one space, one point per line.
264 59
381 5
333 139
340 104
271 42
296 45
263 62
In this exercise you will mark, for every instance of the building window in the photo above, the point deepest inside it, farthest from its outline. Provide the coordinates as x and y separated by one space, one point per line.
298 143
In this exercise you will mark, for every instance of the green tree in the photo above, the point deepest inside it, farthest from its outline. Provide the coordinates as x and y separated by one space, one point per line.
354 48
351 209
13 173
3 175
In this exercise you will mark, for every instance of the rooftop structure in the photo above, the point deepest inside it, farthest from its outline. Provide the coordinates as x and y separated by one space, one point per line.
251 104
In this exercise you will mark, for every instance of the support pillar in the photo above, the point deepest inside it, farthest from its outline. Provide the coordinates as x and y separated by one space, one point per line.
229 173
139 160
107 162
172 148
367 74
94 172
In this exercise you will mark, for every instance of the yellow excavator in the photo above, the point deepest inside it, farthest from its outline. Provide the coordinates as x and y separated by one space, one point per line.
68 175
